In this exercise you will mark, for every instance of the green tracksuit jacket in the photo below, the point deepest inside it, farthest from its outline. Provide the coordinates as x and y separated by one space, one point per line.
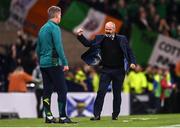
49 46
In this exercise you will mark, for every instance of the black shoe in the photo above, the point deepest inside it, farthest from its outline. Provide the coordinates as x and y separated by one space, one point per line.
95 118
50 119
115 118
66 120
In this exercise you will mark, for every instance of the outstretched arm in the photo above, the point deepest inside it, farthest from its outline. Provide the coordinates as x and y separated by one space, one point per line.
83 39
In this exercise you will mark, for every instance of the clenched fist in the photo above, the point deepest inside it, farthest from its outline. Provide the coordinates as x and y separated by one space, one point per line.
132 66
79 31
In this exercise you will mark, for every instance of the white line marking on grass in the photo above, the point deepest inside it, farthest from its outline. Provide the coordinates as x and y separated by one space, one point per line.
125 121
136 119
172 126
143 118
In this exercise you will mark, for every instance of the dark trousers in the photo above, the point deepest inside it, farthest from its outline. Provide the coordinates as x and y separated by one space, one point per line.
54 80
117 78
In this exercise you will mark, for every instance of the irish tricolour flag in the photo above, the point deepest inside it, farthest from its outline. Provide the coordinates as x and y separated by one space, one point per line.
80 15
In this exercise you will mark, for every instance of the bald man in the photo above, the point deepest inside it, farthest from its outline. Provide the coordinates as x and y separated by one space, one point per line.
113 53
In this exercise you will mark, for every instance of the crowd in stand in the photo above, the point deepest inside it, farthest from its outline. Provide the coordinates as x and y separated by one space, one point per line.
20 67
20 62
153 15
161 84
21 53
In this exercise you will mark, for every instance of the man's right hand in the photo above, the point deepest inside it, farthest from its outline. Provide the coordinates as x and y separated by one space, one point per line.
79 31
66 68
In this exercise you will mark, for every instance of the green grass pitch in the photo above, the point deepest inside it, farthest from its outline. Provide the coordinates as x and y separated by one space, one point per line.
162 120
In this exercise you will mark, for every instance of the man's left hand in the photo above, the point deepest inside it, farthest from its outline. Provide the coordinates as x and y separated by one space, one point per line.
132 66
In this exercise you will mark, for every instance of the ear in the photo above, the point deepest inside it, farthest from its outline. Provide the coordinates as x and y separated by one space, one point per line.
56 15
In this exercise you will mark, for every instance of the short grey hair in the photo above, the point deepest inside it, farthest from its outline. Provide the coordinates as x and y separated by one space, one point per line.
52 11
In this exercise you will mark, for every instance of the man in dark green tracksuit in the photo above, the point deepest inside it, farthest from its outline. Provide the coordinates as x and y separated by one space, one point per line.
53 63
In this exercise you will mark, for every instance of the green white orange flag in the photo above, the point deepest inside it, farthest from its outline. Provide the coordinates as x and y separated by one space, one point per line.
30 14
37 16
79 15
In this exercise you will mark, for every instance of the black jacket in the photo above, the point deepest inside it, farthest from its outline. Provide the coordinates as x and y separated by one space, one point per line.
93 55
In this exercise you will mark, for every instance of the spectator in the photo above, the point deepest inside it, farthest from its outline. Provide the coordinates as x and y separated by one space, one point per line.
177 90
177 69
167 88
38 90
143 22
173 29
92 78
157 88
149 77
95 79
137 81
164 27
162 8
80 78
72 86
88 80
18 80
122 9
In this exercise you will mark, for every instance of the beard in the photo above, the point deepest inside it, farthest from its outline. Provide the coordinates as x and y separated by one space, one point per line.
108 33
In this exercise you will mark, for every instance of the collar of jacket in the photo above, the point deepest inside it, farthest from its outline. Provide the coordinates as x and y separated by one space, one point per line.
110 36
100 38
52 22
